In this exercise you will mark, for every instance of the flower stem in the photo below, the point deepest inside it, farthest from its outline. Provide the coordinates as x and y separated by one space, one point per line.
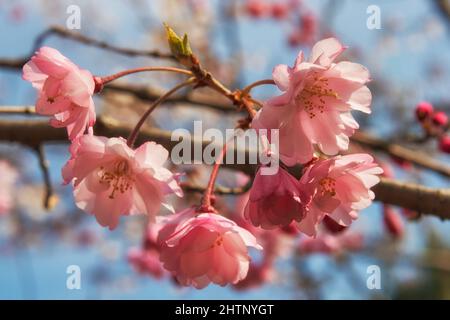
248 88
106 79
133 135
206 205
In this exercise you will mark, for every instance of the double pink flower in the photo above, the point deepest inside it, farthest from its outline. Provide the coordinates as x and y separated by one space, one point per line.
65 91
111 179
315 106
275 200
339 188
200 248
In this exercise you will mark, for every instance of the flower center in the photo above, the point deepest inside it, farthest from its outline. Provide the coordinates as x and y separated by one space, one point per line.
313 94
118 177
218 242
328 186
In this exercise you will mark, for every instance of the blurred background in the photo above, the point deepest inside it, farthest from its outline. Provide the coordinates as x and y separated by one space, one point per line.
239 41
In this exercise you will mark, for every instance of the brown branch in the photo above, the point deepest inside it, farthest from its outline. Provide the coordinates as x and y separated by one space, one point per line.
416 157
34 132
444 7
18 110
415 197
13 63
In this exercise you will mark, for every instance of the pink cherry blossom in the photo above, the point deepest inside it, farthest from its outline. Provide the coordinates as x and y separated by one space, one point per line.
275 200
8 179
65 91
145 260
111 179
314 108
200 248
339 187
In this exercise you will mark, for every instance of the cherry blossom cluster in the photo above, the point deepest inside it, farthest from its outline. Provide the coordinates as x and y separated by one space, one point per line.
304 23
198 245
435 124
313 117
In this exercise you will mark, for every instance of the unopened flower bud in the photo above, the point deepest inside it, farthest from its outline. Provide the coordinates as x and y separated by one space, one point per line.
444 144
423 110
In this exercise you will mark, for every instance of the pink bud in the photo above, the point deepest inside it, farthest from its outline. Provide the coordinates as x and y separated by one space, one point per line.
279 11
393 222
423 110
256 8
440 119
444 144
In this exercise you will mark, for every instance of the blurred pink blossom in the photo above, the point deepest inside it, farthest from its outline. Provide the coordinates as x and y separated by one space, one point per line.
331 244
8 179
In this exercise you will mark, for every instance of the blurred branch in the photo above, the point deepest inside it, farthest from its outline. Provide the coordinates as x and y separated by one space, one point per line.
16 63
34 132
444 7
13 63
64 33
49 198
414 197
18 110
416 157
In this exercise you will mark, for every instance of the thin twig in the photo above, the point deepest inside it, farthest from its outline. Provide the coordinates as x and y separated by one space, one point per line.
248 88
48 202
135 132
121 74
65 33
